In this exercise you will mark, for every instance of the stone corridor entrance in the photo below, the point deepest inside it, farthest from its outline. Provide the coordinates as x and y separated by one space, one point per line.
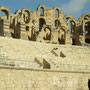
41 23
87 32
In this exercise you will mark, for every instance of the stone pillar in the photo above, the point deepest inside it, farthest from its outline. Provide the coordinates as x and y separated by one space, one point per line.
68 38
23 33
82 37
54 37
77 35
5 28
1 28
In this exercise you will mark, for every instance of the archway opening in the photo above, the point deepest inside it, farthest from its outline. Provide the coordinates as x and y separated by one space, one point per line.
66 19
41 23
61 38
70 27
57 12
72 31
4 16
19 14
87 32
26 16
4 13
56 23
47 32
27 28
41 11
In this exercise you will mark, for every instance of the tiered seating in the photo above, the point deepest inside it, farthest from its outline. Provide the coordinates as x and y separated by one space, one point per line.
21 53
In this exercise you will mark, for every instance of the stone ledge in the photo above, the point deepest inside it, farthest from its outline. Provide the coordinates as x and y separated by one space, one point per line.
44 70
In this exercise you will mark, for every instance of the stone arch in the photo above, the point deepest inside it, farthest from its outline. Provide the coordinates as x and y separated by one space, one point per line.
84 17
18 12
87 31
43 10
73 25
68 18
62 36
26 15
87 17
5 20
17 23
83 20
47 32
6 11
2 13
57 23
41 23
59 12
73 31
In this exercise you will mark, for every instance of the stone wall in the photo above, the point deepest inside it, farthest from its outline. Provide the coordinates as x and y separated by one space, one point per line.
26 79
45 25
27 65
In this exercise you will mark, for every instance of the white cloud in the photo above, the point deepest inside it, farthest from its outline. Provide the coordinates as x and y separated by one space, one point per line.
74 6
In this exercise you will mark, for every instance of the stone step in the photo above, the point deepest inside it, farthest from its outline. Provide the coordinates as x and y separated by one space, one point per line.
18 63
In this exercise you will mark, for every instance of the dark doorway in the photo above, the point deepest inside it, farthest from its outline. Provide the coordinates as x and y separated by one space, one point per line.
73 41
41 23
89 84
56 23
27 28
62 36
87 32
47 32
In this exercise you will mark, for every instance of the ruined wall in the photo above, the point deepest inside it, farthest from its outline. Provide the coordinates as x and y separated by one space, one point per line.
26 65
45 25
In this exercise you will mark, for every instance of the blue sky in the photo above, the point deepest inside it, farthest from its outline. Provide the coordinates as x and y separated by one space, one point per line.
72 7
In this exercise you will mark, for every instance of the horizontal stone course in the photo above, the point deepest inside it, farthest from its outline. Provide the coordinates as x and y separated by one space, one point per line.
20 53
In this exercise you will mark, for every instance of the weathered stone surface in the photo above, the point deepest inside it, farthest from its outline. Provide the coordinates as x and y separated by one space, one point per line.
45 25
13 79
29 65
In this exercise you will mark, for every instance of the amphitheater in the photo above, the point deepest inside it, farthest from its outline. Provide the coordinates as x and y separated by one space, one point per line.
44 50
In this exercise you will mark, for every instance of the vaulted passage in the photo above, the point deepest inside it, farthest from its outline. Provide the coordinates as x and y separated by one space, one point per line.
87 32
57 23
61 39
4 14
41 23
47 32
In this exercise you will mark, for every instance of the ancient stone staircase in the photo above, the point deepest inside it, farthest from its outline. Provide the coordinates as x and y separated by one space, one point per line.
21 53
21 63
77 52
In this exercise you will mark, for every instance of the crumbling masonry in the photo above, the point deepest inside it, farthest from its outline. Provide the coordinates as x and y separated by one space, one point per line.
62 64
45 25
